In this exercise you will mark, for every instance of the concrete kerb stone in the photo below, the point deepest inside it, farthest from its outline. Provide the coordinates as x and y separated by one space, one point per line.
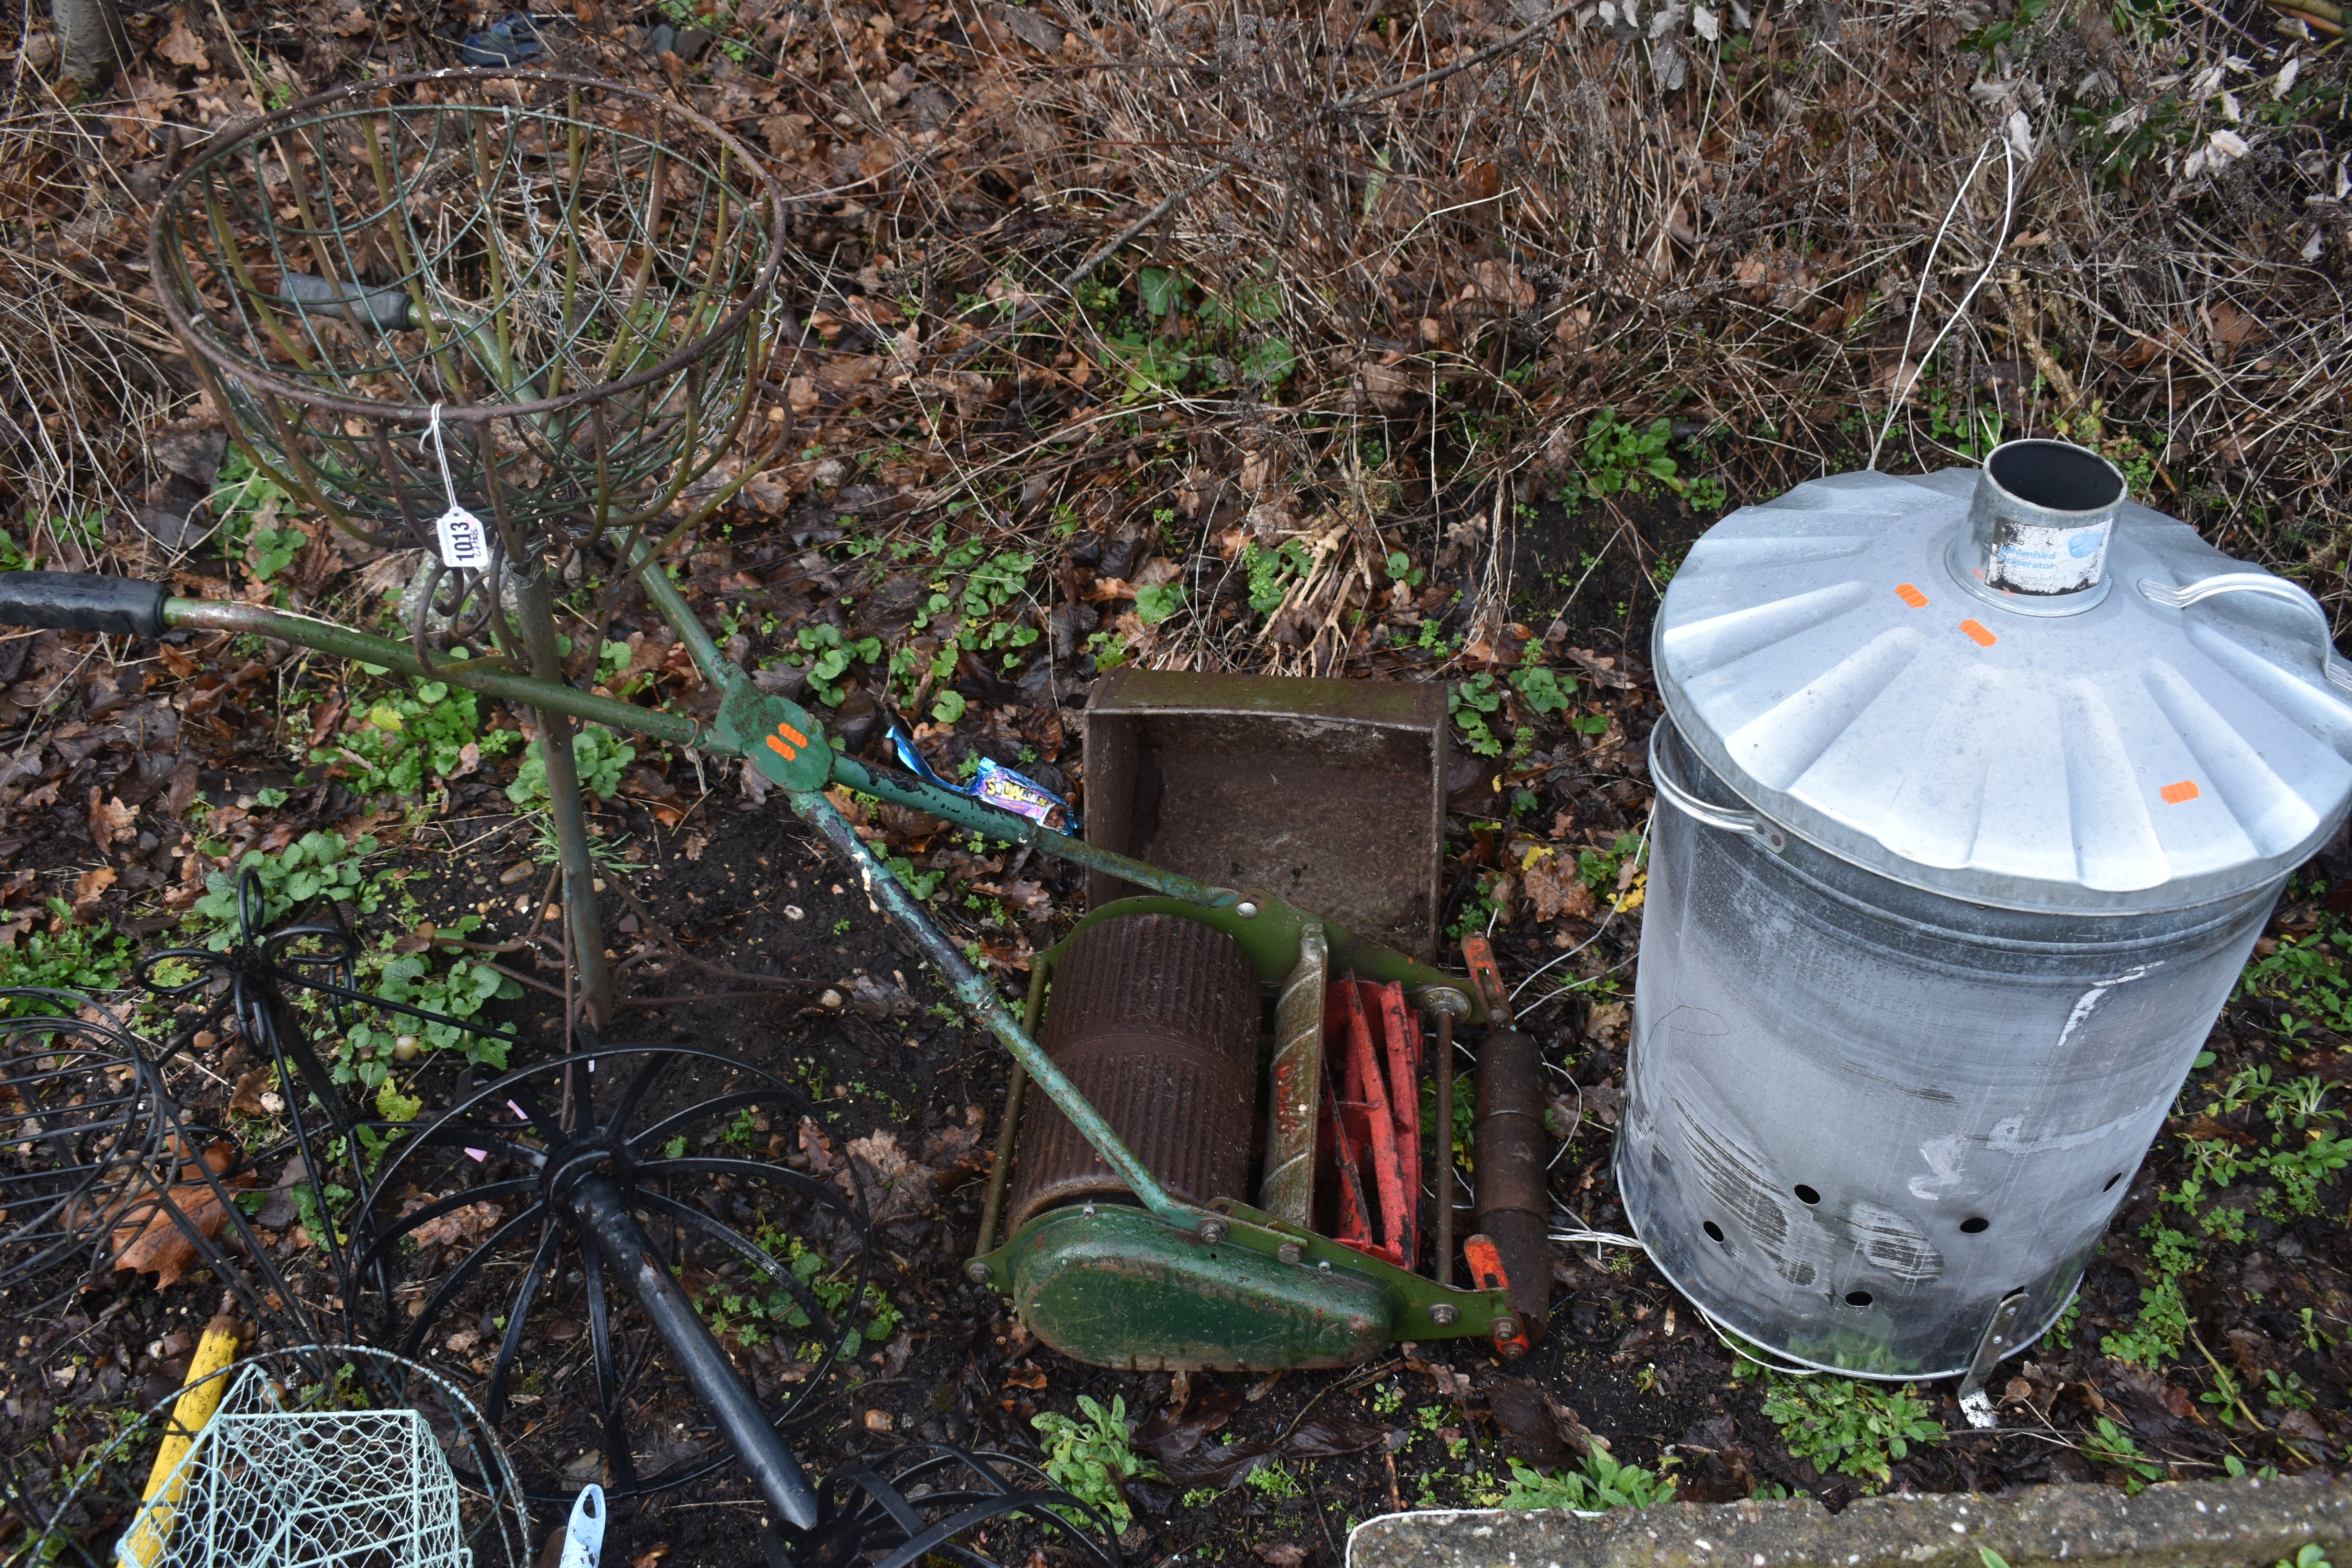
2244 1523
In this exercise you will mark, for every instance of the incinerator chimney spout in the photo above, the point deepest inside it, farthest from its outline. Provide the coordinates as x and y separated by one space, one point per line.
2038 527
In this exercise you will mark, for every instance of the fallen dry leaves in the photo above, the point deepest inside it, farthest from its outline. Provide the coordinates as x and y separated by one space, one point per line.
151 1237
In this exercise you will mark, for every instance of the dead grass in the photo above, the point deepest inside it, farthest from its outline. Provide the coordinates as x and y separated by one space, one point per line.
83 383
1410 266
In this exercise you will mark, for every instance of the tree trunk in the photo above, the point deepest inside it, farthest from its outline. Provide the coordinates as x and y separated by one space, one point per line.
90 40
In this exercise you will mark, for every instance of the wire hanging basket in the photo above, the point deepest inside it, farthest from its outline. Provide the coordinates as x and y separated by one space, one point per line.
540 299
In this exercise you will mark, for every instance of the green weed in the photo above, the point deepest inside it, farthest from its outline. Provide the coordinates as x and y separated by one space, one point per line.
828 657
1273 1481
1599 869
752 1311
1855 1428
602 757
1477 705
1599 1483
64 957
412 733
1158 601
1272 571
1090 1455
315 866
461 992
2111 1445
248 503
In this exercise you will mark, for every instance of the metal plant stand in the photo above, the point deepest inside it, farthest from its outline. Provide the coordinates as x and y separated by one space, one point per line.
631 1185
509 318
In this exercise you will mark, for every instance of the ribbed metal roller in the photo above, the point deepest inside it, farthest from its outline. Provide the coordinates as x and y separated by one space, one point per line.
1155 1018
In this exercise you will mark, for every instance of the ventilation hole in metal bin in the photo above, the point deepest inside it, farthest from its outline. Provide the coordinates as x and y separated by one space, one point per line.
1714 1231
1975 1224
1806 1195
2111 1181
1857 1298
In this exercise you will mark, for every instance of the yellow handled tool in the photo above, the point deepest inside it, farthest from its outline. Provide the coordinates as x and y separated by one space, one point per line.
200 1395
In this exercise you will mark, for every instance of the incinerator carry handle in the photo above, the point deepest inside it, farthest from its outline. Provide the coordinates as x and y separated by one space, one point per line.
2332 666
1683 799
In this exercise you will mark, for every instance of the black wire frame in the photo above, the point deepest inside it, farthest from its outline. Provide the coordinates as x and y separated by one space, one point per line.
131 1158
545 1117
934 1497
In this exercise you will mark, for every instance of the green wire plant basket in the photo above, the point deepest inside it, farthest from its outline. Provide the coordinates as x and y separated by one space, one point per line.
537 298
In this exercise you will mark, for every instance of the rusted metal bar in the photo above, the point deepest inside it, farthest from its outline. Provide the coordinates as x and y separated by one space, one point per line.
1447 1004
1512 1208
1288 1190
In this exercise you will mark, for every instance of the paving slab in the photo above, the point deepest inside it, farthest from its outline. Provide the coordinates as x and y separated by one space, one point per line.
2243 1523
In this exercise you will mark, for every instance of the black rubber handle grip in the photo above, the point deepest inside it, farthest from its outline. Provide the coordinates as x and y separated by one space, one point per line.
82 601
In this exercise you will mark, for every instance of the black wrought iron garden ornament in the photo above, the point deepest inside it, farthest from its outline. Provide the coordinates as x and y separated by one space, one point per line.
616 1188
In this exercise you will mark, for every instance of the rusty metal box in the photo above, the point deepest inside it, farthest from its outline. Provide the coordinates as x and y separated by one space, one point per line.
1330 794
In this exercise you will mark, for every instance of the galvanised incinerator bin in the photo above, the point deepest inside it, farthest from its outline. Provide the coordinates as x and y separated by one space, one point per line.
1974 792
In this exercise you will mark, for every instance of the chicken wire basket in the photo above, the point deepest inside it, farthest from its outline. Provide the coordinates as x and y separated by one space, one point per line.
532 296
317 1455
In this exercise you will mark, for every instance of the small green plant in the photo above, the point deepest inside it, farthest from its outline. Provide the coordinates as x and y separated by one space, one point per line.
1158 601
1475 704
461 990
315 866
2111 1445
922 884
1620 455
601 757
753 1311
1387 1398
409 734
1272 571
2155 1338
1599 1483
1545 690
1090 1455
247 503
1598 868
1274 1480
2311 1555
65 957
828 657
1857 1429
